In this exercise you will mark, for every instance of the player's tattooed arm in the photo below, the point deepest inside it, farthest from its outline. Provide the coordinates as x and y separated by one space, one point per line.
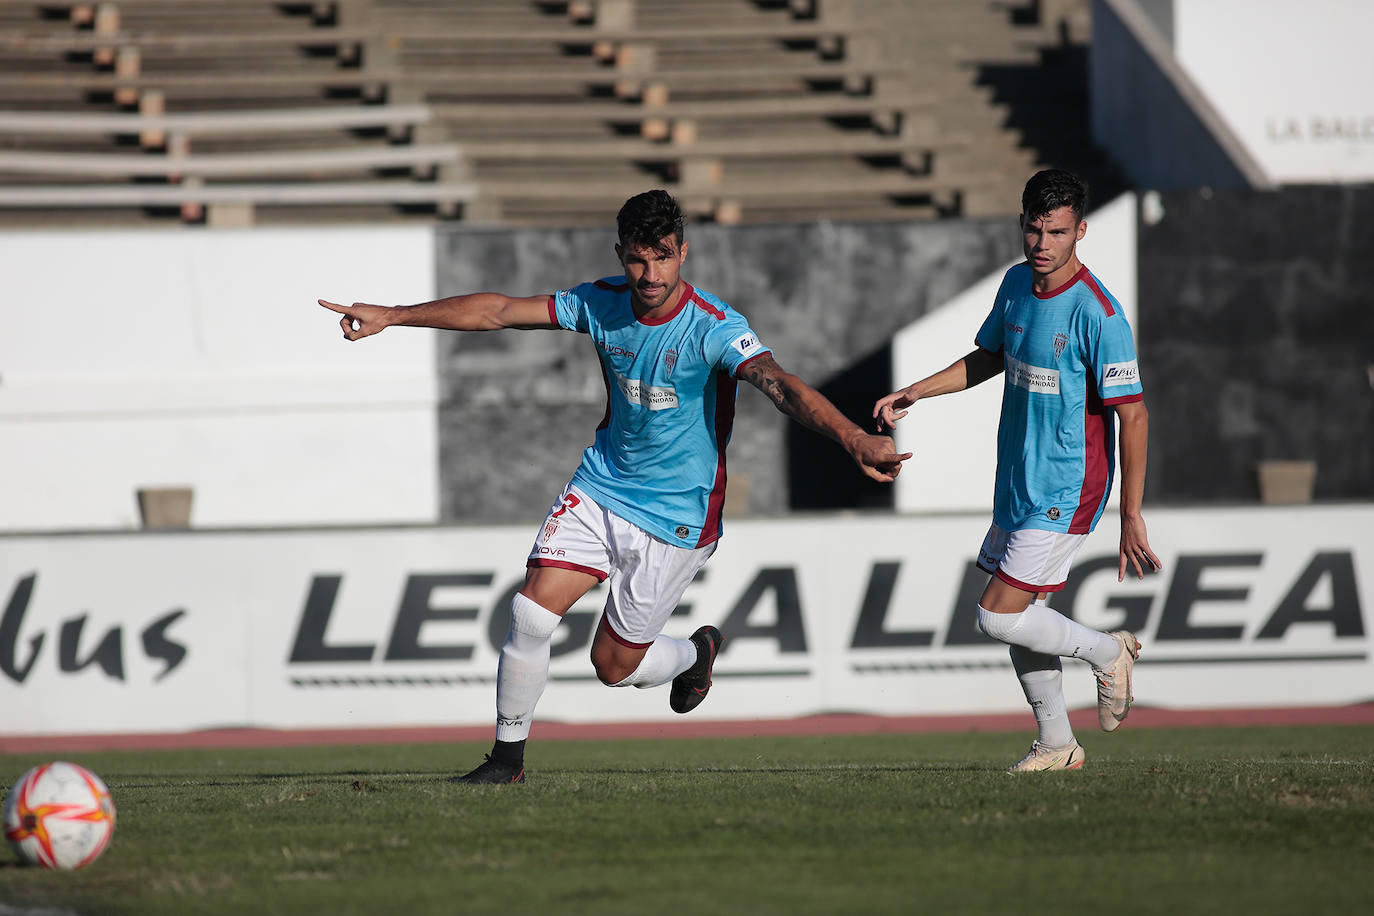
782 388
875 455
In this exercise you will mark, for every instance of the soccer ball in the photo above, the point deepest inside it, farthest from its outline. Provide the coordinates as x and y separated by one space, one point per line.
59 815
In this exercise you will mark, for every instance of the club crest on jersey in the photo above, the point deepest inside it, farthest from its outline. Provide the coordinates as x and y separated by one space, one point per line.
1061 340
1053 513
550 527
669 362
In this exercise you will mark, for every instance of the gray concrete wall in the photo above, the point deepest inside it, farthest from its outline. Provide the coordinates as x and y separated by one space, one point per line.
517 408
1257 340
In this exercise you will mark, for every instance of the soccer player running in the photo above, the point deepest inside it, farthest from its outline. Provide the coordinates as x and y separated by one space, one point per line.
1069 366
643 509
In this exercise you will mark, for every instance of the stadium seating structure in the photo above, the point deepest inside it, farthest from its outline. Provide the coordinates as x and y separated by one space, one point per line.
512 112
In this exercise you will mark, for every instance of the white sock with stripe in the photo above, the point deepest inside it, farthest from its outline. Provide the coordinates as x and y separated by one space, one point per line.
524 667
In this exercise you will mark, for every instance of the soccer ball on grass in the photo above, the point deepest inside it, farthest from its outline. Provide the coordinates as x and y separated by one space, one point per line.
59 815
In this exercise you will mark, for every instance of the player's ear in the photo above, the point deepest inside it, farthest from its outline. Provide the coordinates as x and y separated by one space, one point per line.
1082 229
620 254
682 252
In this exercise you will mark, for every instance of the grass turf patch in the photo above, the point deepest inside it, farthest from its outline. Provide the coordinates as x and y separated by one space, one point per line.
1260 820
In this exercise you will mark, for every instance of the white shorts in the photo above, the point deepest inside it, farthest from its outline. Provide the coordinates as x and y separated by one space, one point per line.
1030 559
646 576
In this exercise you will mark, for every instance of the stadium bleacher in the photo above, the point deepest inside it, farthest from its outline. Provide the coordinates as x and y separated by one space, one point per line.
514 113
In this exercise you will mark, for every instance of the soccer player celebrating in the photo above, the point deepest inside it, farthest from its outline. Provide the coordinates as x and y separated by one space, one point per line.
1069 371
643 509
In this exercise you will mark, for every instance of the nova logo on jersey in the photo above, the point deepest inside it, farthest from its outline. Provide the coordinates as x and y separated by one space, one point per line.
650 396
746 344
611 350
1115 374
1034 379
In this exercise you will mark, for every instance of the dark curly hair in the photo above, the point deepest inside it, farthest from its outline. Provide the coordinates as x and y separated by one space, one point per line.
1050 189
647 219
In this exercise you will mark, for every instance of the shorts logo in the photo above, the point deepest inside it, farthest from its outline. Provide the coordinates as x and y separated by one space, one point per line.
1061 341
1053 513
570 501
669 362
1115 374
682 531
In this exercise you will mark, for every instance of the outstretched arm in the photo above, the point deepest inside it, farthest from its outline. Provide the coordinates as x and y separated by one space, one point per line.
974 369
474 312
1135 548
876 456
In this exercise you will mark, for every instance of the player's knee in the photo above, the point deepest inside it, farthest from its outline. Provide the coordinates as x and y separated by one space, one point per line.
610 670
999 626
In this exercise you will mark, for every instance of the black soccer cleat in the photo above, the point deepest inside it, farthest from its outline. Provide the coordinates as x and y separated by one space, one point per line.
493 772
690 687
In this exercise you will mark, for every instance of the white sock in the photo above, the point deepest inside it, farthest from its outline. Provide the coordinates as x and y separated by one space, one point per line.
665 660
1041 678
524 667
1041 628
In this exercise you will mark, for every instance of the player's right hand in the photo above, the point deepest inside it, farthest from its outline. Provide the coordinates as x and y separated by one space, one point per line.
359 319
878 457
892 408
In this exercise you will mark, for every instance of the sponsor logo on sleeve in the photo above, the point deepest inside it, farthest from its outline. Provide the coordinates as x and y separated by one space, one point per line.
1117 374
746 345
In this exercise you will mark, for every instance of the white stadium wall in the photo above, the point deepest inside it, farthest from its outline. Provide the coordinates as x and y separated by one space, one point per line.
147 359
1234 93
954 437
1293 81
148 632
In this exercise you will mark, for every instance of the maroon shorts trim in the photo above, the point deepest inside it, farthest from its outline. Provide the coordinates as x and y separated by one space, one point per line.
1027 587
563 564
606 625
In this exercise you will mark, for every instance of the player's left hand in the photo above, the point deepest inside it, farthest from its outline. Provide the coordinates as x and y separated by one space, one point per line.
1135 549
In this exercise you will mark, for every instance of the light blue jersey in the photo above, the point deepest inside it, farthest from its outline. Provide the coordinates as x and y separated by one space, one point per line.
659 455
1068 356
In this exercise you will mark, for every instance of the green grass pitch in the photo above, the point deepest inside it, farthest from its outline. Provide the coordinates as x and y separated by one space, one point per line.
1177 821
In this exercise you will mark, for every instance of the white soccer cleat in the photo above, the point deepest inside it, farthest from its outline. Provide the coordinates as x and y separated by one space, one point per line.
1114 682
1050 758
